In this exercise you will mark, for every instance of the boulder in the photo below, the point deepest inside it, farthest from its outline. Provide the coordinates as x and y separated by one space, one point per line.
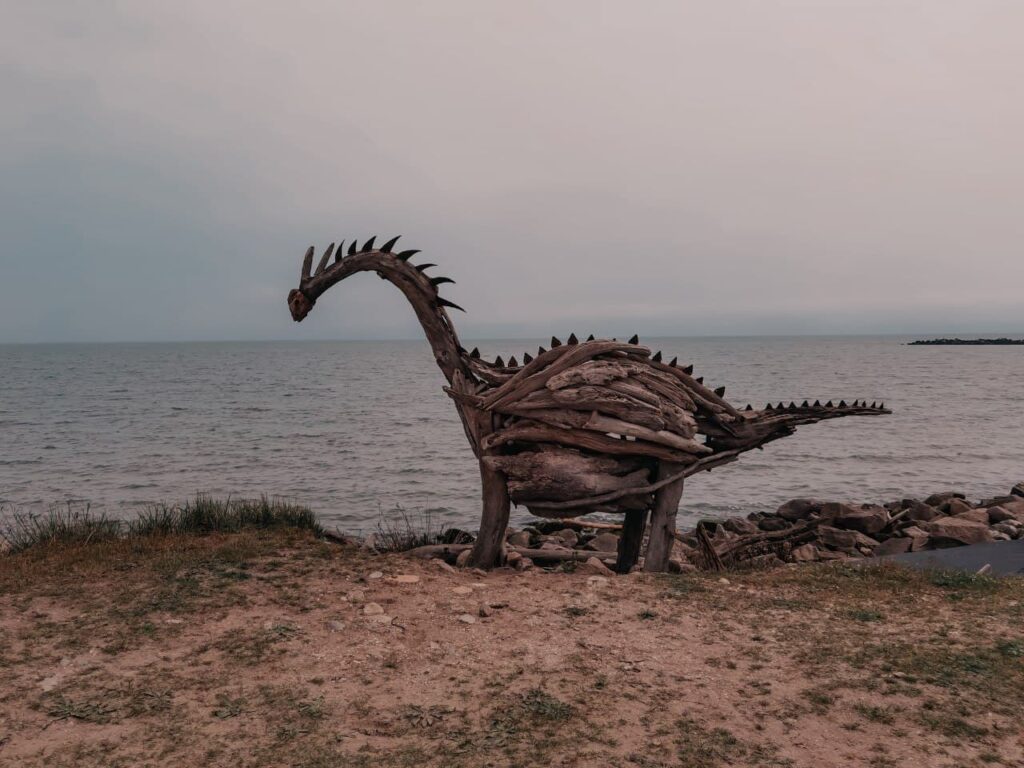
799 509
846 541
569 536
919 511
955 532
512 558
976 515
867 519
1011 530
740 525
893 547
999 501
805 553
594 567
1015 508
774 524
519 539
937 499
603 542
1018 489
955 507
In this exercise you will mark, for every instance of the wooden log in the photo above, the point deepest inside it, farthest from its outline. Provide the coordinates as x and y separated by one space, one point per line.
533 432
611 403
452 551
630 541
556 473
663 518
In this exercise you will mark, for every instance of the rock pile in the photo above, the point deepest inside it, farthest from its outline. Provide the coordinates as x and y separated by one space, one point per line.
810 530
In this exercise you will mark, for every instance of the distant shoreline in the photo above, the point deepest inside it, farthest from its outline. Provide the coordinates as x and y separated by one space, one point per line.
966 342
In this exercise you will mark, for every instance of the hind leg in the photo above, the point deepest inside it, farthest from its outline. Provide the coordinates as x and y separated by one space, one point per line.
663 520
489 545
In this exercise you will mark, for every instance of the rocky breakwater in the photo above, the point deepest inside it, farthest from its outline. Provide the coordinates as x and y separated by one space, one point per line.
809 530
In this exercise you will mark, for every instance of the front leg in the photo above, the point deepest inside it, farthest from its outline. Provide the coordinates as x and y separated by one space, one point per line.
490 544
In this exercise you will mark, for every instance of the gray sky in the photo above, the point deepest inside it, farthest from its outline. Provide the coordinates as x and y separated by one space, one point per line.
671 168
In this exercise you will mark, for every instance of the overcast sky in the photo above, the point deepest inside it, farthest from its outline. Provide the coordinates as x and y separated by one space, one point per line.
672 168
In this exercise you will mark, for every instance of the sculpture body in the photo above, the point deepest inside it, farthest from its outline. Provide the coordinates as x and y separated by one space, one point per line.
586 426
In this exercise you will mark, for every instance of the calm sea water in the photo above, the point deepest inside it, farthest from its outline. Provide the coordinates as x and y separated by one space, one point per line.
356 428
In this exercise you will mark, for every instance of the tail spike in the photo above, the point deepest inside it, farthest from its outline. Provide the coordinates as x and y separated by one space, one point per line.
874 404
634 339
590 337
499 362
527 358
842 403
386 248
674 361
368 245
475 354
541 350
817 403
720 391
445 303
769 407
688 369
749 407
792 405
512 362
307 262
829 404
804 404
657 356
324 259
700 379
555 342
572 340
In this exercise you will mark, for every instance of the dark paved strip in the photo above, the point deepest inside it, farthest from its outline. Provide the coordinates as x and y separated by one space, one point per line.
1005 557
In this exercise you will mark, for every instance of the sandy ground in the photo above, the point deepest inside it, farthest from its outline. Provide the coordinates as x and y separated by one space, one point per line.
279 650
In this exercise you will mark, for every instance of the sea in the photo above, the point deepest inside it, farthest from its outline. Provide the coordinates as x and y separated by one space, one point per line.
362 432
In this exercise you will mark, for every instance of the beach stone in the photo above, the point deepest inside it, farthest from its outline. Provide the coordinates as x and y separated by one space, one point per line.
597 581
603 542
977 515
740 525
557 545
462 590
918 511
335 626
569 536
799 509
467 618
594 567
893 547
512 558
1011 530
847 541
955 507
463 559
406 578
805 553
1000 536
954 532
1015 508
774 524
376 575
519 539
937 499
485 610
864 519
373 609
524 564
998 501
1018 490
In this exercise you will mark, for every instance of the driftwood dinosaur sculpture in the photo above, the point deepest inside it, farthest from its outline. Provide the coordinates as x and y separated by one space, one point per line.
586 426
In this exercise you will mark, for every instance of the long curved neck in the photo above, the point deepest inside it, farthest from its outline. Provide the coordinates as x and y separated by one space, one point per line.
418 289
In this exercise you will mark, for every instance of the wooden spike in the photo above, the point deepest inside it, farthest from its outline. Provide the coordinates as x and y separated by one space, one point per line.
842 403
386 248
475 354
436 281
805 404
405 255
541 351
720 391
882 406
368 245
338 254
700 379
817 403
446 303
512 362
324 259
657 356
353 247
424 267
749 407
590 337
499 362
634 339
307 262
555 342
874 403
829 404
769 407
792 405
527 358
688 369
674 361
780 407
572 340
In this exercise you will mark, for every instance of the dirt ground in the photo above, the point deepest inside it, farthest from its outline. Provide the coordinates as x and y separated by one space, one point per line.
280 650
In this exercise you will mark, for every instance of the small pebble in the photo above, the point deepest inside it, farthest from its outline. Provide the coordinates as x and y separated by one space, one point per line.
376 575
467 618
724 580
373 609
406 578
462 590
